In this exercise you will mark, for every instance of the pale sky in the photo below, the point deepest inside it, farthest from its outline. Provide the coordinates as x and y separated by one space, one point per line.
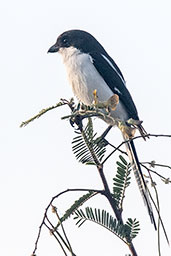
37 161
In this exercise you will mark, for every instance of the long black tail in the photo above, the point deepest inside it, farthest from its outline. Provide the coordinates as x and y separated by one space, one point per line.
140 178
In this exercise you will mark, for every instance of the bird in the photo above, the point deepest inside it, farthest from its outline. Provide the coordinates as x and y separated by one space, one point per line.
89 67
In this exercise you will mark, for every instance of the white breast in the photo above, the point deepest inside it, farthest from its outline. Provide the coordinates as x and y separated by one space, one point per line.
84 79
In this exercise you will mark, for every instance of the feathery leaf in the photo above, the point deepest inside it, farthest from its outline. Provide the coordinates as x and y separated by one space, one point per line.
87 149
125 232
121 181
76 205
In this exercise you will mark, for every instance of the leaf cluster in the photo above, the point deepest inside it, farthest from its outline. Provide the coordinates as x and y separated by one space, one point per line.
125 232
76 205
121 181
86 147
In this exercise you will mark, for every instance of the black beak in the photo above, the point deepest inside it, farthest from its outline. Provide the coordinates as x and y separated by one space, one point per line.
53 48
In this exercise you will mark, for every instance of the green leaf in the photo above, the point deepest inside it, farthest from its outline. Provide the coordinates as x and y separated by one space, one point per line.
86 147
124 232
121 165
121 181
123 160
133 228
75 206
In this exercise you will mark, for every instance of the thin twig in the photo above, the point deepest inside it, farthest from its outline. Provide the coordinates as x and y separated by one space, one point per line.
38 237
42 112
121 151
137 137
157 210
116 148
50 203
54 230
52 233
151 135
153 164
69 245
159 218
150 170
158 229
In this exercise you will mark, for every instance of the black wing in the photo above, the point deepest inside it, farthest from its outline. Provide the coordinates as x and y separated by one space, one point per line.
114 79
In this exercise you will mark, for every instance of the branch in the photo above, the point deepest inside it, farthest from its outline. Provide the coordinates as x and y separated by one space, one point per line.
116 148
54 209
63 102
165 180
50 203
137 137
157 206
52 233
153 164
112 202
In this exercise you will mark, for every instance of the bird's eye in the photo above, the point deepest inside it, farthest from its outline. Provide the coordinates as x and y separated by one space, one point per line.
65 41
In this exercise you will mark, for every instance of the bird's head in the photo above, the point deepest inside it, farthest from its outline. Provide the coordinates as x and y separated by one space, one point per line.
77 39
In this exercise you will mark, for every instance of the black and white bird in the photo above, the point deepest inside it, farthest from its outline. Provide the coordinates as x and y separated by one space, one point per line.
90 68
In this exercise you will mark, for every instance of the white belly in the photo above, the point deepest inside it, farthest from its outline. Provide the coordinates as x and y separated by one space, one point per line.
84 79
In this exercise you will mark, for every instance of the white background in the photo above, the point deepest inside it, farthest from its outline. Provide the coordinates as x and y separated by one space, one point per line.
37 161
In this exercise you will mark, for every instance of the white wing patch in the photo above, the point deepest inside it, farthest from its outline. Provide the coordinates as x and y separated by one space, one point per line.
114 69
117 90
